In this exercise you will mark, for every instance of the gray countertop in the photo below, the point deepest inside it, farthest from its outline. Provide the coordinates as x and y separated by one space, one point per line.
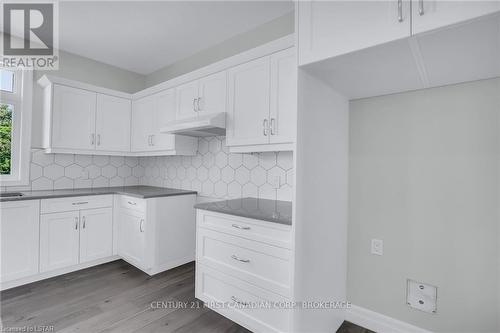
259 209
138 191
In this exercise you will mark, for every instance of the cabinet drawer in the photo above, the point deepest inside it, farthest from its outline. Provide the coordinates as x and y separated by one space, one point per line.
264 265
247 305
261 231
132 203
75 203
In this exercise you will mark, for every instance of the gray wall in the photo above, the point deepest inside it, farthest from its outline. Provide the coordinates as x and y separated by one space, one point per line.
424 177
86 70
265 33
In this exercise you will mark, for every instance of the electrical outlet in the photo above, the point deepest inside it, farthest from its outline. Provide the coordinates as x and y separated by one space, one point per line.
377 247
421 296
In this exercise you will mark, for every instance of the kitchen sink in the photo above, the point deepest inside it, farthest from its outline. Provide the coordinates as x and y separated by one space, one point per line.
10 194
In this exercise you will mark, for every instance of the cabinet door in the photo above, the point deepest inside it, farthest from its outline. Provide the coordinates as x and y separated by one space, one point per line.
19 239
143 111
59 240
131 245
432 14
283 97
212 93
186 100
96 234
331 28
113 123
73 118
248 105
164 113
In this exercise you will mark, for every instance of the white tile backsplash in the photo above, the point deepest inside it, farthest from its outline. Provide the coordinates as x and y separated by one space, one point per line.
213 172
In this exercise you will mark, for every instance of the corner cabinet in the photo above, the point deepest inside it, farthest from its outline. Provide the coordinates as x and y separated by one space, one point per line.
262 104
151 113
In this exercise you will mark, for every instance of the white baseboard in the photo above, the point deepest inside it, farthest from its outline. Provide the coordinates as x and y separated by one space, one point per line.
378 322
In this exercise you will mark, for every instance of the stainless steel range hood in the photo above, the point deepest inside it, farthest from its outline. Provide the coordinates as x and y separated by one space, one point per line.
206 125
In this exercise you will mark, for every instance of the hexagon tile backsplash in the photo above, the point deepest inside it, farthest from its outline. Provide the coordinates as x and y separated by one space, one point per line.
213 172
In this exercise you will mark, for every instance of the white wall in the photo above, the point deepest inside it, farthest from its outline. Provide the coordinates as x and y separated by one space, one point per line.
265 33
424 178
86 70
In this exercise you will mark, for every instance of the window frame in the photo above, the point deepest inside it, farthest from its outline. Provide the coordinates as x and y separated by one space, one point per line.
22 101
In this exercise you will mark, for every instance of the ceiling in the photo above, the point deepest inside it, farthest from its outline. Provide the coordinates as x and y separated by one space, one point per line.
144 36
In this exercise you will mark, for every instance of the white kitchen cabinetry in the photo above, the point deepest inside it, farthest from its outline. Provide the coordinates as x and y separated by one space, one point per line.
19 237
151 113
75 231
331 28
73 118
59 240
156 234
96 234
204 96
433 14
262 104
242 261
112 123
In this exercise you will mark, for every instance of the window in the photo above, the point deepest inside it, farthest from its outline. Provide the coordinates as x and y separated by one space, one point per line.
15 125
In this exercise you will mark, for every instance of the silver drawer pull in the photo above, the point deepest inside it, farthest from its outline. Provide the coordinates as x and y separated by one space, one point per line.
141 228
132 203
234 299
240 227
79 203
239 259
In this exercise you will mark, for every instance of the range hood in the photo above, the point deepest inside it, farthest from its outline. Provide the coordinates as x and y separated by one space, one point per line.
206 125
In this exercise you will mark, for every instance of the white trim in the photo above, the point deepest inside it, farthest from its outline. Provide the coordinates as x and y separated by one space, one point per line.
47 80
378 322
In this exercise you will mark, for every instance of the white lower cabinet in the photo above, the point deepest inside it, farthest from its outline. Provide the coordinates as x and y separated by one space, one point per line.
19 239
244 270
96 234
131 236
59 240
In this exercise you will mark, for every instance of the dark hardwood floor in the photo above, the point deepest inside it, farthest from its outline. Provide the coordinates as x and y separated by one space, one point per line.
117 297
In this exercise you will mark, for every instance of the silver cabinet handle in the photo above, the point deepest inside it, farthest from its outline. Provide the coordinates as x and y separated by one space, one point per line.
79 203
152 139
76 223
234 299
83 222
240 227
98 139
198 103
141 229
273 126
92 139
132 203
421 7
264 125
194 104
235 257
400 10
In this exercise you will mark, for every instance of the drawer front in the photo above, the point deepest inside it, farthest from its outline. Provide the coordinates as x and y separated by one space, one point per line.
247 305
261 231
264 265
75 203
132 203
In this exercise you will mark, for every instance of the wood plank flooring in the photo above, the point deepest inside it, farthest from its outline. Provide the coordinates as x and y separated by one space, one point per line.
117 297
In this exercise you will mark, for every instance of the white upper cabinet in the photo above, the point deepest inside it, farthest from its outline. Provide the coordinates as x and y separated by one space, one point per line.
248 106
262 103
165 113
282 121
19 239
187 96
143 111
73 118
113 123
96 234
204 96
331 28
432 14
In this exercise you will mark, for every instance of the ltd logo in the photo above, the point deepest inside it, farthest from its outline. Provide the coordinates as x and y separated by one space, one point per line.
28 29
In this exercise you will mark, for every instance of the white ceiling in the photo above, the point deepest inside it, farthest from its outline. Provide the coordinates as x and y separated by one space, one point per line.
143 36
